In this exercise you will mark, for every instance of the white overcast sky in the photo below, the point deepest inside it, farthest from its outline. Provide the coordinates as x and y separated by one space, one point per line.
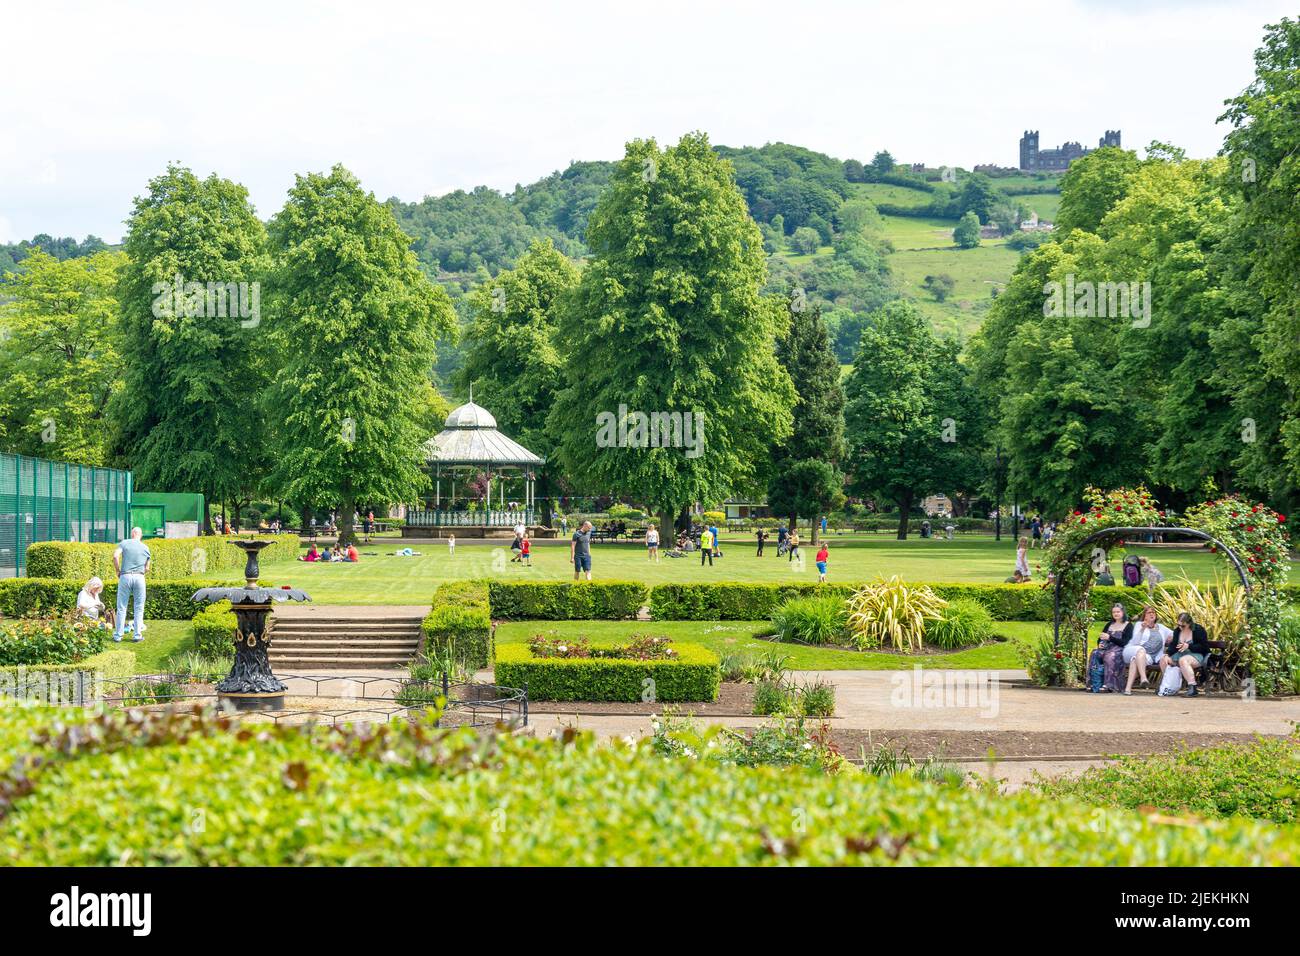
422 98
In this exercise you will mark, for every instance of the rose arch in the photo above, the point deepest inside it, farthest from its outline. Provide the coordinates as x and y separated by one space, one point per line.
1251 536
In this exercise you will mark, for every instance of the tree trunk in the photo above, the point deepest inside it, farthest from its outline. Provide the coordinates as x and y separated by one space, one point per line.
904 510
347 534
667 526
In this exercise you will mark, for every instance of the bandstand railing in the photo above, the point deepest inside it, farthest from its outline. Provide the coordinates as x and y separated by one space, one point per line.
444 518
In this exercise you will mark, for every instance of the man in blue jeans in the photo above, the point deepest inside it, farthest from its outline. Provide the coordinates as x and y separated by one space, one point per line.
131 561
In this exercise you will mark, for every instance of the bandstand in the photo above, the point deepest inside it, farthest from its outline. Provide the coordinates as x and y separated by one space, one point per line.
470 447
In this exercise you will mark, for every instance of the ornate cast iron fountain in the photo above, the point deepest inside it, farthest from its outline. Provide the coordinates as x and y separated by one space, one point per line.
250 685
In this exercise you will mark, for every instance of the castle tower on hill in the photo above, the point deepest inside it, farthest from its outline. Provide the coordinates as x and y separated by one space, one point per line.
1035 159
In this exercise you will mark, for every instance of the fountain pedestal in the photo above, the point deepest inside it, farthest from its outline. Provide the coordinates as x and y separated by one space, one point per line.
251 685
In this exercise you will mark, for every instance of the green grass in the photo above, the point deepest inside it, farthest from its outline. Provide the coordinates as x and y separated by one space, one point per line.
162 639
1045 204
730 637
976 271
918 232
889 193
379 579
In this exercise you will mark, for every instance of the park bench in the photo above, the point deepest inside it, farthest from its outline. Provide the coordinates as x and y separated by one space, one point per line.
1215 672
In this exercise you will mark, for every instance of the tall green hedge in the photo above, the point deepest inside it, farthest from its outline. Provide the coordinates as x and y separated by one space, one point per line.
164 600
172 557
460 621
693 675
566 600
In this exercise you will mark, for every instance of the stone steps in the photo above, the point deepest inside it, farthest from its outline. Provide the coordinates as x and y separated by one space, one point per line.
363 642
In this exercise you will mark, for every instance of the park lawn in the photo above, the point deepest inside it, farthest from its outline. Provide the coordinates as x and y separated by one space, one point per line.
162 639
734 637
381 579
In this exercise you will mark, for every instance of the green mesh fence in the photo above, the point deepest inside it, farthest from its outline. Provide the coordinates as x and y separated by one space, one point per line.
54 501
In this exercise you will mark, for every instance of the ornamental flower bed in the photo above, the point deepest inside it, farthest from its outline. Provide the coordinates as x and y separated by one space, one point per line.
642 647
682 672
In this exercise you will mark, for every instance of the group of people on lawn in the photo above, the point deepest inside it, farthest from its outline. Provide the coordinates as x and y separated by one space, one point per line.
332 555
1125 649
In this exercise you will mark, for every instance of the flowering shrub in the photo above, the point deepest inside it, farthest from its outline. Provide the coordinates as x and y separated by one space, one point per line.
1258 536
58 640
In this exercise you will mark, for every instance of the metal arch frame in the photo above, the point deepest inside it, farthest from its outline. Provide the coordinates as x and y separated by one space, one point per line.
1123 532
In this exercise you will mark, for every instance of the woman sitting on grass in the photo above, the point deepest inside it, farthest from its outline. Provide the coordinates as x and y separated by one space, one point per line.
1191 646
1146 647
311 555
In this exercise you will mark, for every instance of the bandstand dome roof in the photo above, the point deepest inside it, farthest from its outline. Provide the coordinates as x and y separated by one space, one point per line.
471 438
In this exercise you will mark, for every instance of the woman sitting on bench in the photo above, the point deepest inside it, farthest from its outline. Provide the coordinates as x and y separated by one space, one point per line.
1190 647
1147 647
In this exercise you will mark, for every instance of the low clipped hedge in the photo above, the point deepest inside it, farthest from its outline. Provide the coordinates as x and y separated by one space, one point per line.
214 630
172 557
66 683
460 623
752 602
566 600
372 796
164 600
693 675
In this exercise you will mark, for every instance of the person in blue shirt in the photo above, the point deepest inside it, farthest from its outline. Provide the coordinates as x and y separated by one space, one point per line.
713 530
131 560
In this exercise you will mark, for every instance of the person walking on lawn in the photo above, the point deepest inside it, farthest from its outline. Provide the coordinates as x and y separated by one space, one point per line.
580 551
526 550
823 558
762 536
131 561
706 546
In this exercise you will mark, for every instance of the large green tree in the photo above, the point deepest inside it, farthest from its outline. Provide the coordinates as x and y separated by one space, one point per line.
904 399
668 320
353 329
58 356
806 480
1263 171
187 417
1092 185
512 360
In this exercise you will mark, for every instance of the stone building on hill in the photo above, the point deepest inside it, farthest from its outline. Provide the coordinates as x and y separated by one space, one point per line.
1033 159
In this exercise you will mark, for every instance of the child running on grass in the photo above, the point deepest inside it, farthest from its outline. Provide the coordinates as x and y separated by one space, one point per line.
823 558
